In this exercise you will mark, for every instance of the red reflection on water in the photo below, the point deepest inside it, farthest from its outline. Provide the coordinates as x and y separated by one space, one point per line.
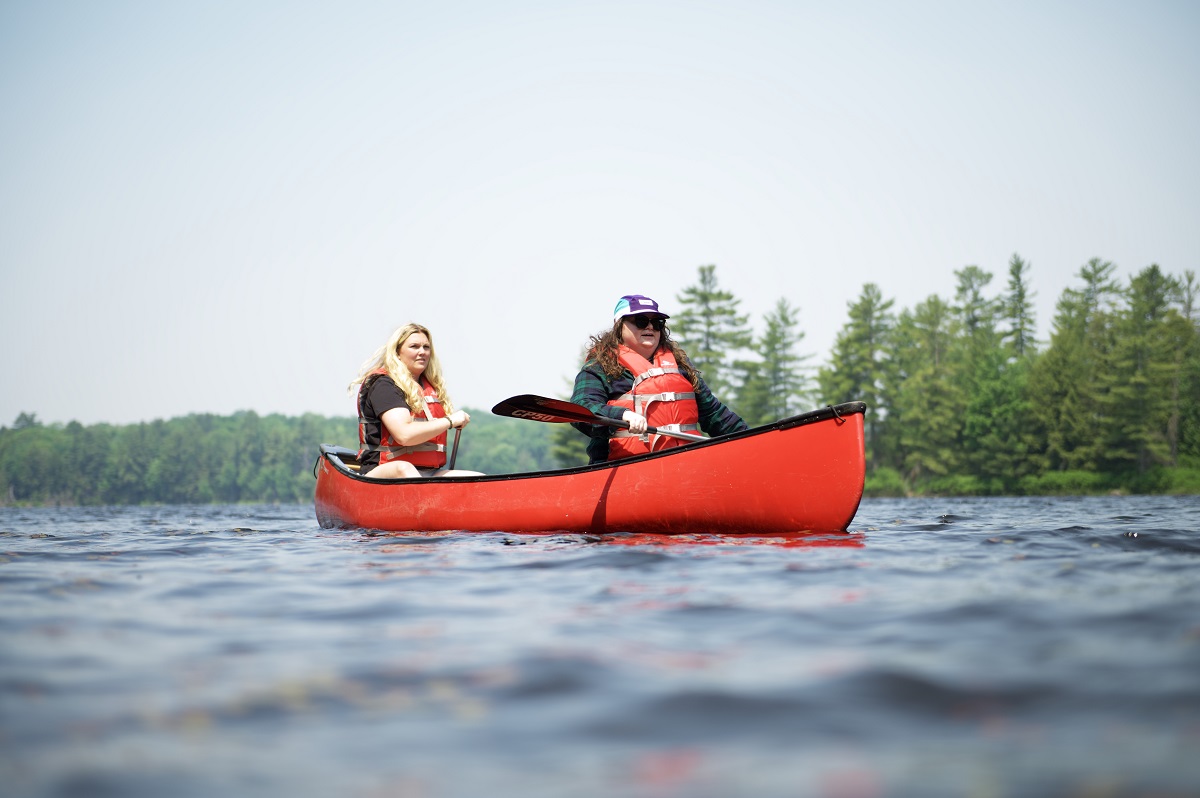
668 770
787 540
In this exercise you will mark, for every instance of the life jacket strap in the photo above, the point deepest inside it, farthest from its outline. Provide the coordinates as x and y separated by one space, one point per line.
624 433
666 396
656 371
429 399
420 447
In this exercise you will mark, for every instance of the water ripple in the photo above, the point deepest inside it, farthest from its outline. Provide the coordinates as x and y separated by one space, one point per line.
944 647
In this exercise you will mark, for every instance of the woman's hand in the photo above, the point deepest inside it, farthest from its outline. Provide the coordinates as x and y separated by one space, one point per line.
459 418
637 423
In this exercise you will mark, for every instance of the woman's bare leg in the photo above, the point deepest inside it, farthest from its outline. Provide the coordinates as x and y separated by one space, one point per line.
396 469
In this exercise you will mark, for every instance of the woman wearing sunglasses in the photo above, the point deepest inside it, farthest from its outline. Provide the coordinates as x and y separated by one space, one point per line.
634 372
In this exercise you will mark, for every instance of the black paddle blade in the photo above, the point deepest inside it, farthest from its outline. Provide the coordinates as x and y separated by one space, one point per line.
541 408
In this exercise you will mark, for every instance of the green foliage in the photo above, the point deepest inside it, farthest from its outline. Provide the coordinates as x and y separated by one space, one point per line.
1065 483
189 460
774 386
711 330
884 482
961 485
1141 386
996 444
975 313
962 401
500 445
1182 480
568 446
929 401
204 458
1070 381
25 421
1016 308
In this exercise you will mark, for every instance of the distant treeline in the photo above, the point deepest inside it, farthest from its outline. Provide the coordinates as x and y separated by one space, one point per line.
962 400
202 459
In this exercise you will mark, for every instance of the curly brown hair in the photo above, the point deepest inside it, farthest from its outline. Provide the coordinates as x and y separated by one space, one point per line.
602 348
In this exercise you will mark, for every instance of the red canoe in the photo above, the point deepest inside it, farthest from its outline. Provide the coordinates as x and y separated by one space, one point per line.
803 473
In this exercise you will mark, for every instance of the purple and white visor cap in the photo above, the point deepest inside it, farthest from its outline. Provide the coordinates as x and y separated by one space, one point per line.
633 304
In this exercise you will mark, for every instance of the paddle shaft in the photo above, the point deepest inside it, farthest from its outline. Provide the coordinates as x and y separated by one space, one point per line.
556 411
621 424
454 451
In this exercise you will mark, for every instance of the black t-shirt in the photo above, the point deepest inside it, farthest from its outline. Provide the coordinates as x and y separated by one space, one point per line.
382 395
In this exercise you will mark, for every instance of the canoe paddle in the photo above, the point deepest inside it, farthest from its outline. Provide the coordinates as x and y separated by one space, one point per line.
454 454
556 411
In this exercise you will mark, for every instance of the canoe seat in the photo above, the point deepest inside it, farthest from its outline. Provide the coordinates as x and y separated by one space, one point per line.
342 457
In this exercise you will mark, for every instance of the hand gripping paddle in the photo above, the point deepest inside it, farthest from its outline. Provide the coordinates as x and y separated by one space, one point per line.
556 411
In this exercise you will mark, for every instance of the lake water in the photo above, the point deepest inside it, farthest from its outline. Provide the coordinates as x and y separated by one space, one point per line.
943 647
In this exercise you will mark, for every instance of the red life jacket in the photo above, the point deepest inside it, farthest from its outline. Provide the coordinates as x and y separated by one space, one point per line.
663 394
430 454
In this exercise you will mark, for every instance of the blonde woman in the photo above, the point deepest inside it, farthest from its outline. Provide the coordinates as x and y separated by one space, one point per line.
404 411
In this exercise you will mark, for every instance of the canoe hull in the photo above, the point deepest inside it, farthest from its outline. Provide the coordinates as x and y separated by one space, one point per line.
800 474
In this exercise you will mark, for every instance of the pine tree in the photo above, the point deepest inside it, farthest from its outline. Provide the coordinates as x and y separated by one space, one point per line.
1066 388
1017 310
978 369
1184 429
774 386
997 443
711 331
858 367
1140 393
928 399
975 314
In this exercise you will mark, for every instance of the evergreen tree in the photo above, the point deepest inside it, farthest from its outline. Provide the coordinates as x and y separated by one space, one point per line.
774 386
989 407
858 366
84 460
973 333
25 421
1141 390
976 313
1065 384
1184 431
1017 310
974 337
997 445
928 399
711 331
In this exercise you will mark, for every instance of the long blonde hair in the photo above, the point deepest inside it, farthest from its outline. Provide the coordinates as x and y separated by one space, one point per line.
387 358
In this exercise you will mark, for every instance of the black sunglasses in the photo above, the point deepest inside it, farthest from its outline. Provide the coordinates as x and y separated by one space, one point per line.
641 321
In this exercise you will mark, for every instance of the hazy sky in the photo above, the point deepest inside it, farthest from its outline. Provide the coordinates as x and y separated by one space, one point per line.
209 206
